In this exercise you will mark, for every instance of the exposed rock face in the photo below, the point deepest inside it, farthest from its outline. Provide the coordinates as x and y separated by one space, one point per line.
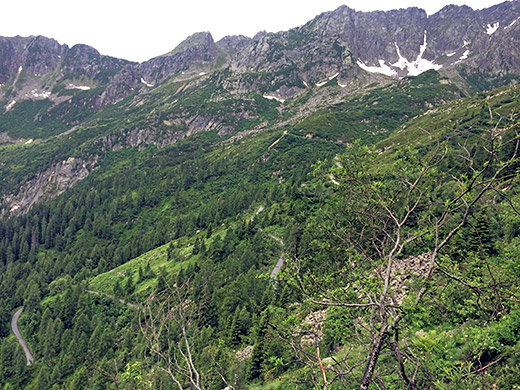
49 183
85 61
39 56
35 55
485 40
394 43
407 41
122 85
337 44
34 67
197 53
234 44
294 60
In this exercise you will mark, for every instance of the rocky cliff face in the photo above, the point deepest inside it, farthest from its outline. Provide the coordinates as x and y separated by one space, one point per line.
344 42
195 55
408 42
39 68
49 184
339 44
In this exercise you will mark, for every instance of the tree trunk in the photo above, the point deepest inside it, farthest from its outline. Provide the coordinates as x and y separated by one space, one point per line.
372 359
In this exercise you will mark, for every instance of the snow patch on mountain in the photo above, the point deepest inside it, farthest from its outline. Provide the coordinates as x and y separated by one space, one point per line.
420 64
43 95
271 97
322 83
492 28
146 83
10 105
382 68
512 23
464 56
80 87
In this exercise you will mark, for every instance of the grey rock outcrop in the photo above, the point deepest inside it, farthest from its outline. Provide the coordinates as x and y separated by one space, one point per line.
337 44
49 184
38 68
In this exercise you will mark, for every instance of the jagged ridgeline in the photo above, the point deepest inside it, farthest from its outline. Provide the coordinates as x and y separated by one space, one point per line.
333 206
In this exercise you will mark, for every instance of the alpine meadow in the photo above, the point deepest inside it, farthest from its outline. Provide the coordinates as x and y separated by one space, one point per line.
335 206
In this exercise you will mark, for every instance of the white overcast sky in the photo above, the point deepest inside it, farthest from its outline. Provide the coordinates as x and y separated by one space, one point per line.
139 30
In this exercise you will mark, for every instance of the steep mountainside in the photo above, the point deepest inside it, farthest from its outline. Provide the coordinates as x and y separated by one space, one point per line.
213 219
40 68
237 84
334 44
334 206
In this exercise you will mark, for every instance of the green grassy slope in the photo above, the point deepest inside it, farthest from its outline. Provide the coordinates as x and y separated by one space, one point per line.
146 220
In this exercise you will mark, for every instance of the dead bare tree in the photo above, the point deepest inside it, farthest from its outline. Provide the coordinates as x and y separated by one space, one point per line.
167 321
112 376
380 215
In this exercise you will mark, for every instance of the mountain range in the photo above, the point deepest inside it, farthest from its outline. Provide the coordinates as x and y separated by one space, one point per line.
56 88
348 186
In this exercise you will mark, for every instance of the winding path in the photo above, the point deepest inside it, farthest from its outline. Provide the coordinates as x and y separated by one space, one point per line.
18 335
278 265
281 259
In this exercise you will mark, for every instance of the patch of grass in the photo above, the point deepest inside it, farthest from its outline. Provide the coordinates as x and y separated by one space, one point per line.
156 258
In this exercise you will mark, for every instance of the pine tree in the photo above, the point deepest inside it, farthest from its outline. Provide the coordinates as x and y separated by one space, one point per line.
118 292
80 379
140 274
239 325
196 246
480 239
129 286
170 250
32 298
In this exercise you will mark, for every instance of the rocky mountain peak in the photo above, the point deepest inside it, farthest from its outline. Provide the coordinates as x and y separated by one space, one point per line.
336 54
38 68
341 44
234 43
198 41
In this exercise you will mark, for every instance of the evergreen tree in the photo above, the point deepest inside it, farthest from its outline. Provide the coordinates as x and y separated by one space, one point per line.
32 298
480 239
239 325
129 286
118 292
170 250
80 379
43 378
161 280
256 363
196 246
